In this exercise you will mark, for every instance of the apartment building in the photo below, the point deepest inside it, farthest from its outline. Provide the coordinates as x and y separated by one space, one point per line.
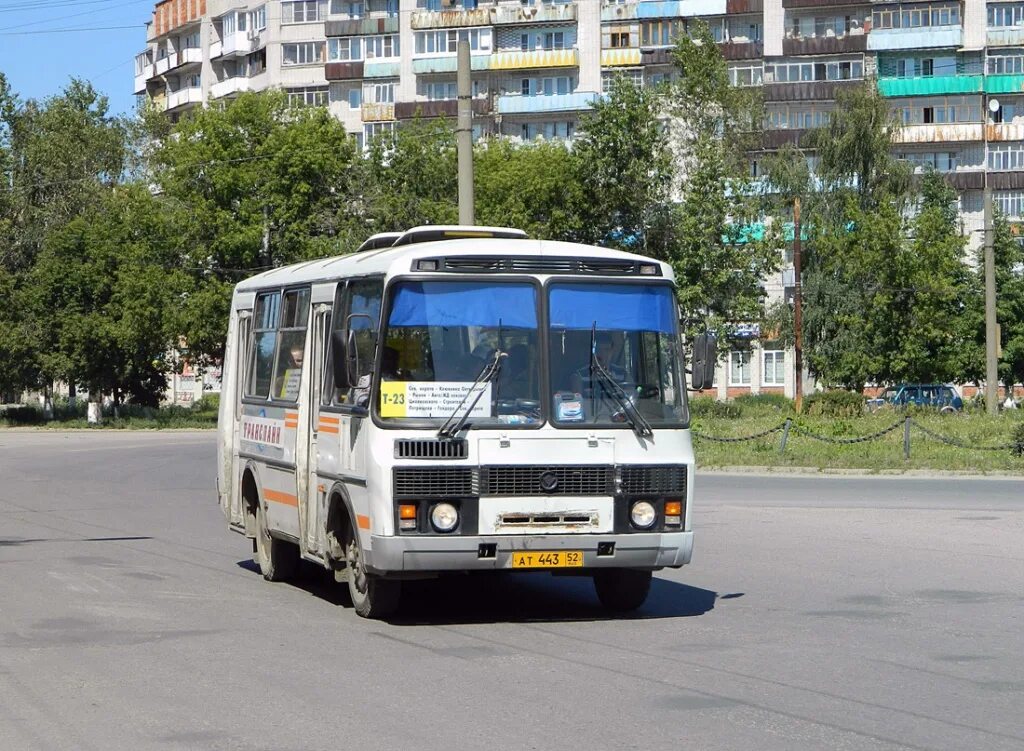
953 70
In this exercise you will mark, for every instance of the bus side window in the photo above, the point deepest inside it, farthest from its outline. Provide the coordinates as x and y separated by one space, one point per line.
335 321
263 341
362 315
291 345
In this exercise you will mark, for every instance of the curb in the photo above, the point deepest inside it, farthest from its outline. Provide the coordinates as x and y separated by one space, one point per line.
850 472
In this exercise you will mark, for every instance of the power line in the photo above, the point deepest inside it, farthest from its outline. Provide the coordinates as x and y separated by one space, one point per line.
67 31
70 15
23 7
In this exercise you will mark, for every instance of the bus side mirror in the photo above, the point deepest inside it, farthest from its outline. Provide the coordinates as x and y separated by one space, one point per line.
705 355
340 357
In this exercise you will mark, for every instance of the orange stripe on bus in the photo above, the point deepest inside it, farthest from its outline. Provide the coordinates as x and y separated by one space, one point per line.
291 415
330 420
363 521
278 497
291 424
328 429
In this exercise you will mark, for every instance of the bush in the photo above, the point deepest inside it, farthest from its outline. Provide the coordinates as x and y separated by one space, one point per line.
706 406
776 402
834 404
1018 440
23 415
209 403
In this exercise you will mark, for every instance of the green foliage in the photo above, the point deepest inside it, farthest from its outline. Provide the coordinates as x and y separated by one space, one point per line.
707 406
764 402
1009 262
834 404
1018 440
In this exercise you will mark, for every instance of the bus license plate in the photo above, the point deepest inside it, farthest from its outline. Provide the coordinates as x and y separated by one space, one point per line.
547 558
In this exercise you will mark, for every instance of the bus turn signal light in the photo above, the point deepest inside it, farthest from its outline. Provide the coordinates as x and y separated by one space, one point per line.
407 516
673 508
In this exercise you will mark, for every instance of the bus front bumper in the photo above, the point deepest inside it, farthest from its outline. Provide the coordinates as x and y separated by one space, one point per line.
653 550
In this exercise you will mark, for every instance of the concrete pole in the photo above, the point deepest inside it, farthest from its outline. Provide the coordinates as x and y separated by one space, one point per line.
798 316
464 135
991 330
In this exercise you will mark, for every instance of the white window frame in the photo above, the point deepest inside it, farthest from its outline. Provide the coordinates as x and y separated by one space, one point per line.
778 363
739 359
305 53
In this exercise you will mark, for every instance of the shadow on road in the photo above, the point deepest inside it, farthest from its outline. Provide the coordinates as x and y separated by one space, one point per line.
511 598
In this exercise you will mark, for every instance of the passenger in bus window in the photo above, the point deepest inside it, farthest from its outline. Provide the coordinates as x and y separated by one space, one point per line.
286 386
604 347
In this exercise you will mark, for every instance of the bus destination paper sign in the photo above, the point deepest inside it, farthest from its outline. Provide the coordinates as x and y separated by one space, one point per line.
430 398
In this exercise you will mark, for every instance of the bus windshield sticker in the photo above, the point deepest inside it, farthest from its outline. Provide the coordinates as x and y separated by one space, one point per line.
429 398
290 384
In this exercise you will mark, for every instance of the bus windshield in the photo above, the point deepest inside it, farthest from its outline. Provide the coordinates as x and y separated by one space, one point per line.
437 340
612 342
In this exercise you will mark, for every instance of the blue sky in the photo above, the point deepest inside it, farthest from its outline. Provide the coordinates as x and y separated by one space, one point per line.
40 63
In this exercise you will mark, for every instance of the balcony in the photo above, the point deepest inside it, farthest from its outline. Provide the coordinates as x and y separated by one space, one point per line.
230 86
621 58
188 56
238 44
736 7
447 108
1004 132
1004 83
536 59
932 86
373 112
344 71
164 64
806 91
1008 37
360 26
448 64
183 97
141 78
377 69
914 39
952 132
450 19
823 3
776 139
537 103
742 50
825 45
504 16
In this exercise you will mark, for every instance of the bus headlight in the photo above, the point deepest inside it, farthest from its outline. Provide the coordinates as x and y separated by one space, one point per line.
642 514
444 517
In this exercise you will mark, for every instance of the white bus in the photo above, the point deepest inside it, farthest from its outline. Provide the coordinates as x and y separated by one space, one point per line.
460 399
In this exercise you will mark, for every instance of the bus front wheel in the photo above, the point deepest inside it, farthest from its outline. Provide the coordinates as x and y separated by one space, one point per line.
372 596
278 560
622 589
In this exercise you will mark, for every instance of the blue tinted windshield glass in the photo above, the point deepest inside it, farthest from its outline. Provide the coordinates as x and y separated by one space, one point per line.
613 306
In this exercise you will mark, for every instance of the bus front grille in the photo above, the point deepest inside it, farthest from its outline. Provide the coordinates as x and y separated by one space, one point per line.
431 448
663 479
520 480
434 482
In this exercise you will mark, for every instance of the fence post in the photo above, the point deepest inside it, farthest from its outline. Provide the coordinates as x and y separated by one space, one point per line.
785 436
906 439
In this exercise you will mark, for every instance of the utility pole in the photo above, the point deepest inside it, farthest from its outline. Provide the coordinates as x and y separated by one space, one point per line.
991 329
798 344
464 134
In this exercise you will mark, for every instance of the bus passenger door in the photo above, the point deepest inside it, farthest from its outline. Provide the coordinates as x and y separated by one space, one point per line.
315 495
240 361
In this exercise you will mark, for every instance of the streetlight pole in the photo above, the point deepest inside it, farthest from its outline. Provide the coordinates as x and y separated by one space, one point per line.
991 330
464 133
798 345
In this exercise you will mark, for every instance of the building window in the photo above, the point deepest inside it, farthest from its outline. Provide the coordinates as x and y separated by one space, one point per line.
344 49
379 92
346 8
836 70
1010 203
355 98
660 33
303 11
774 371
550 130
302 53
1006 156
634 76
446 42
746 75
375 130
917 16
312 96
1006 63
739 368
257 18
546 86
1006 15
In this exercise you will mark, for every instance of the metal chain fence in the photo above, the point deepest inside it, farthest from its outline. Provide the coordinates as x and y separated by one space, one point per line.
907 423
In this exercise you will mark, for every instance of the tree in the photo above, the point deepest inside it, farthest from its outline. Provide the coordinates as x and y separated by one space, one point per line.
622 166
721 248
528 186
1009 258
411 177
260 183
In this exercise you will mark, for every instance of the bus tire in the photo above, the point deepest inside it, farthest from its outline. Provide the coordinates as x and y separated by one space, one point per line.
278 560
372 596
622 589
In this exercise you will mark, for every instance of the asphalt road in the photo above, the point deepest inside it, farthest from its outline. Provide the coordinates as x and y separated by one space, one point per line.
835 613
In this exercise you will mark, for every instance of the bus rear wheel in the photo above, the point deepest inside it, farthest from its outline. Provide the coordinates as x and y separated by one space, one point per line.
372 596
622 589
278 560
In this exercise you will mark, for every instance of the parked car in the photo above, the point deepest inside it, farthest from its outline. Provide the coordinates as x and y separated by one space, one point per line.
939 395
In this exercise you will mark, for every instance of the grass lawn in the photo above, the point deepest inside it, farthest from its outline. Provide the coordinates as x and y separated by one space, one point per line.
974 429
202 415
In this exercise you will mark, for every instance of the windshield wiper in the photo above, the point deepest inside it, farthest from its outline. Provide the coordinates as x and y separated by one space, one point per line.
457 419
636 420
